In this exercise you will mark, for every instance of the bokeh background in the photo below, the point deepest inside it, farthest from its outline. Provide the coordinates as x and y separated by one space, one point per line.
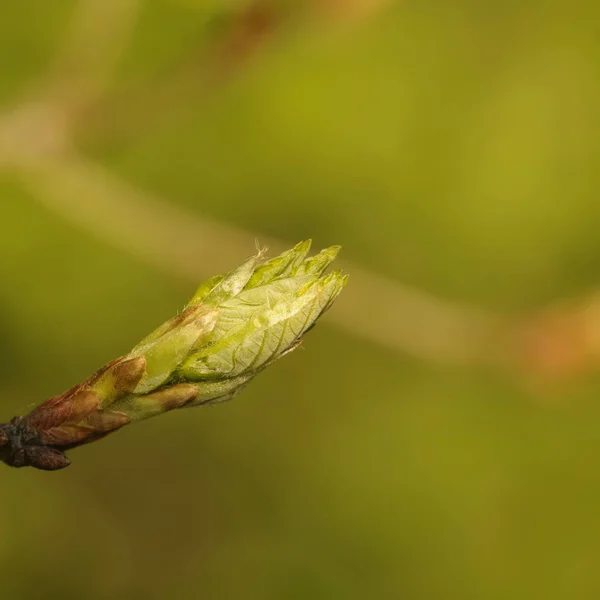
438 437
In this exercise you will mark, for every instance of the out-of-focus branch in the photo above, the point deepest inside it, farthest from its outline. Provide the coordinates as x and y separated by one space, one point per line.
559 341
243 35
563 340
133 109
375 308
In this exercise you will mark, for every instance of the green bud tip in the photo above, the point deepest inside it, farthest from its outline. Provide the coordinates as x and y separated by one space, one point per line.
238 323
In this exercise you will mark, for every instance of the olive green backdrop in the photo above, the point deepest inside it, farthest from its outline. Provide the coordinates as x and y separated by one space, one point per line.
449 146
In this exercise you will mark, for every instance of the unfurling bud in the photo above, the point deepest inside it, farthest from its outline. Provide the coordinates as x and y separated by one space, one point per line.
234 327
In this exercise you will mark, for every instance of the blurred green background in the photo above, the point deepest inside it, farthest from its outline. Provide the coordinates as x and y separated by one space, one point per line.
449 146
